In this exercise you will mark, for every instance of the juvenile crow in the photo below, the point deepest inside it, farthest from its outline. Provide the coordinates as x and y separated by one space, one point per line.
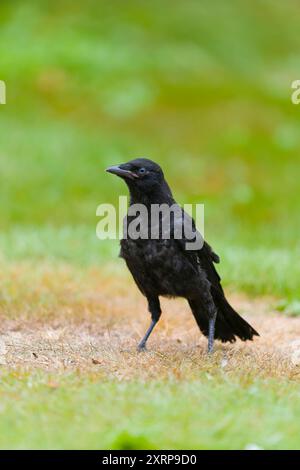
164 266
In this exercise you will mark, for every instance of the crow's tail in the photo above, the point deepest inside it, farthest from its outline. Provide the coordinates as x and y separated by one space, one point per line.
229 324
229 320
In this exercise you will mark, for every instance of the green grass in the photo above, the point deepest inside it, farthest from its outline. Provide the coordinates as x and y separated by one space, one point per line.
72 412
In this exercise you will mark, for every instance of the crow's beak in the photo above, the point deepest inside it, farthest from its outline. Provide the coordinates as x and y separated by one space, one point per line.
117 170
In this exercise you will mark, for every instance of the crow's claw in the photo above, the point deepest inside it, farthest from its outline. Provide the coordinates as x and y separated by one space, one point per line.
141 348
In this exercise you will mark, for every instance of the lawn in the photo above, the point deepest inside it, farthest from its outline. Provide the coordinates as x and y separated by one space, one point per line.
85 412
204 89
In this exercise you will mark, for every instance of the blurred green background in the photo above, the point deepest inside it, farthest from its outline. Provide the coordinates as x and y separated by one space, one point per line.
204 88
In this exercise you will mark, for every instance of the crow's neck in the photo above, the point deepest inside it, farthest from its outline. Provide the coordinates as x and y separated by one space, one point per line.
160 195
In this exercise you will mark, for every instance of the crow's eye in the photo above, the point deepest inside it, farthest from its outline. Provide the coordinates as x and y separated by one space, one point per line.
142 171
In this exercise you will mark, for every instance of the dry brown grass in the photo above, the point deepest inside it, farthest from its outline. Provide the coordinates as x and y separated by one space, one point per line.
58 319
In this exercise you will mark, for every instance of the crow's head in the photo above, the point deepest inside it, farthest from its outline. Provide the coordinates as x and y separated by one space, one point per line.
141 175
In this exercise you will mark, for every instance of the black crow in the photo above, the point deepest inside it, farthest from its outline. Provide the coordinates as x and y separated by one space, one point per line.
166 266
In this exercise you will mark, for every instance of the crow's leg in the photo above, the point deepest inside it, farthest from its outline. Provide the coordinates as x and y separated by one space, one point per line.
211 332
205 312
142 344
154 309
211 312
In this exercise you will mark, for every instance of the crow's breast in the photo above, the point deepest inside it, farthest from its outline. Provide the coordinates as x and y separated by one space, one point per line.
159 266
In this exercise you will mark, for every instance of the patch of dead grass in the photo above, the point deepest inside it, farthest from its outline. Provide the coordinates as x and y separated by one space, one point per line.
90 322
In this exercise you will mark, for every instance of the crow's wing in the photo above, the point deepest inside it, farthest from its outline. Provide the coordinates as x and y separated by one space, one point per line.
207 257
203 258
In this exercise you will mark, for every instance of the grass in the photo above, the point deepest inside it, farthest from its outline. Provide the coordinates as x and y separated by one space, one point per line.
74 412
70 375
204 89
